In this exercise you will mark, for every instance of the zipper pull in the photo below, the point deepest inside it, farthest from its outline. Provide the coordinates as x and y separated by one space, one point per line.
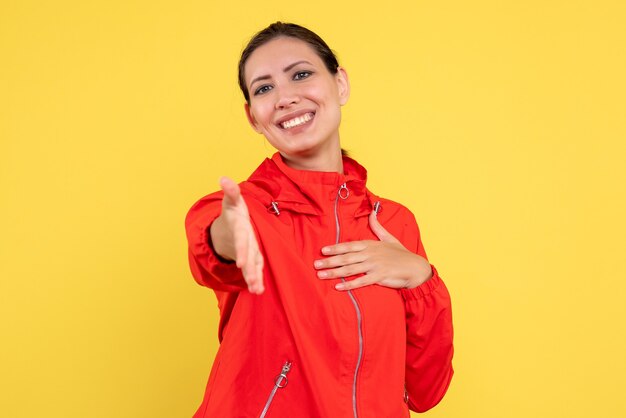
343 192
286 367
281 379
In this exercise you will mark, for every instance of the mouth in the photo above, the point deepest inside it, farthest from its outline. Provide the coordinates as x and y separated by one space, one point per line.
297 121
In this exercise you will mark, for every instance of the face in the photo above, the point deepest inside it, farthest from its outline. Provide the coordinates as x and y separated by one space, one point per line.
295 102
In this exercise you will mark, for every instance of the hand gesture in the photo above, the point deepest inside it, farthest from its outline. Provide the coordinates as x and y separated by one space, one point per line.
233 236
386 262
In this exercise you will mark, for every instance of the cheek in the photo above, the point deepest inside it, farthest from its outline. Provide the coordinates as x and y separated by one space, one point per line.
261 113
329 95
331 100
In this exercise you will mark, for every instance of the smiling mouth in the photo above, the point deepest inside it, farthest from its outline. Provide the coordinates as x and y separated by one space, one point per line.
297 121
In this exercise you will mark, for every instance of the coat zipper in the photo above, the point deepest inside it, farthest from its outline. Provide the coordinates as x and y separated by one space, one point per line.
281 382
343 194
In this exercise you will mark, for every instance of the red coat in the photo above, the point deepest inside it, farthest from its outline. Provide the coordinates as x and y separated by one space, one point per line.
302 348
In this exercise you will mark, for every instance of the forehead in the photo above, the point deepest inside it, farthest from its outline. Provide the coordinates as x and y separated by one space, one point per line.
277 54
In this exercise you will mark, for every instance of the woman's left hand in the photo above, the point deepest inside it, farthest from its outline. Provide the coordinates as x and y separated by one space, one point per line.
386 262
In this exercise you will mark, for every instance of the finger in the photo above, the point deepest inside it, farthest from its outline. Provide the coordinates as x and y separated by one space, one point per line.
255 284
241 238
250 274
379 230
231 191
250 270
362 281
340 260
259 267
345 247
344 271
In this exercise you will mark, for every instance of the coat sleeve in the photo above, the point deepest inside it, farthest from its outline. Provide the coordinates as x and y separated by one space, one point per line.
207 268
429 346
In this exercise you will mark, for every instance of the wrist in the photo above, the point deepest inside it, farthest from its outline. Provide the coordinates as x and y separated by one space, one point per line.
218 240
421 274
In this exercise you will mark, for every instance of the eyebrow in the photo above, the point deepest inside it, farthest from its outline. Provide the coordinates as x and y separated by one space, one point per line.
287 68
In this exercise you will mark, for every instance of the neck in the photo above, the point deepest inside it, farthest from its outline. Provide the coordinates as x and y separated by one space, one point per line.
329 162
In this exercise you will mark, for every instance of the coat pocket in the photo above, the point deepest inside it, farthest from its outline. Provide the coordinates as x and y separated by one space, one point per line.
279 383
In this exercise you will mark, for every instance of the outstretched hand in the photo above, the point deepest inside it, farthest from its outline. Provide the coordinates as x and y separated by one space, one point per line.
386 262
233 236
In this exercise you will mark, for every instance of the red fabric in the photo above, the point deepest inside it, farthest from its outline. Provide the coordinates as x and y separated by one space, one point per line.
407 334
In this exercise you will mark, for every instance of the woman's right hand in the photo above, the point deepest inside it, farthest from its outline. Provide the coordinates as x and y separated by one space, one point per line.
233 236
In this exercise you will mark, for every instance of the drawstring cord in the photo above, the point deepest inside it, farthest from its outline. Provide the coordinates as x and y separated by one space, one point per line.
343 194
274 208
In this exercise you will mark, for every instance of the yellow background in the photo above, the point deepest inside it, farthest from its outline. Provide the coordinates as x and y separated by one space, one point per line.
499 123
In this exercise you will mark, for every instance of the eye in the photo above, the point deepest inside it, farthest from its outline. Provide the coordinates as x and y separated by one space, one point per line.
301 75
262 90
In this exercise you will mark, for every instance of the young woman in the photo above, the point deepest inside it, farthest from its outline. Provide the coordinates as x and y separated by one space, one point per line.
328 305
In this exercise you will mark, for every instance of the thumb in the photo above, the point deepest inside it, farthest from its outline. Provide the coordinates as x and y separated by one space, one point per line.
379 230
231 191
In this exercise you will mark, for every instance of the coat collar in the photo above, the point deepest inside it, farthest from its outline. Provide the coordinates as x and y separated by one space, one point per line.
312 192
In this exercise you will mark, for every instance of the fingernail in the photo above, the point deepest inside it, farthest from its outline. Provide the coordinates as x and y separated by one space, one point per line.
318 263
325 250
340 286
322 274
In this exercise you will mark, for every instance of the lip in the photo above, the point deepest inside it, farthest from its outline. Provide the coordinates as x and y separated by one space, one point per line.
293 115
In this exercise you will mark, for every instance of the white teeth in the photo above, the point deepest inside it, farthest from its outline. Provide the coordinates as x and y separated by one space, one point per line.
291 123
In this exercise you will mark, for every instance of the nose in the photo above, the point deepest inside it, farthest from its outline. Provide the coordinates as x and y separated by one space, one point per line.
287 96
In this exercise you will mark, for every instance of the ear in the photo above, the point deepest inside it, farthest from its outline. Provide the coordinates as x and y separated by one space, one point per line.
343 85
251 119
